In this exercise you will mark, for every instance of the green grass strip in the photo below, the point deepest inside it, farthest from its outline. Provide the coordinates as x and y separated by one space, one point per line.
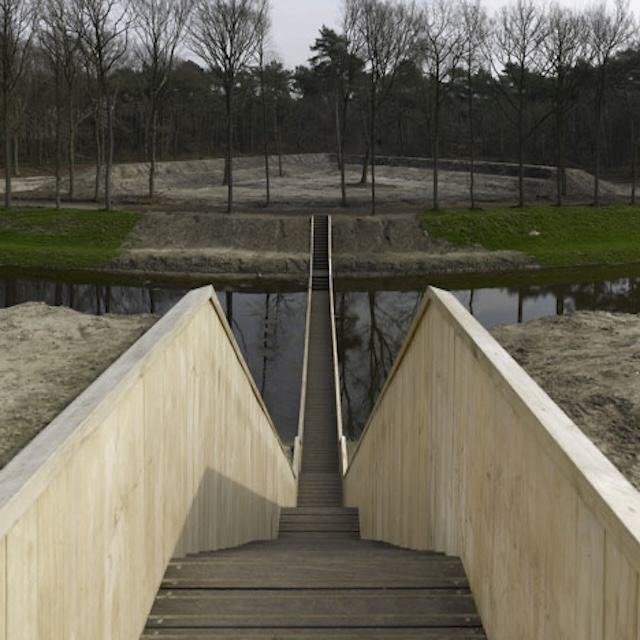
554 236
62 239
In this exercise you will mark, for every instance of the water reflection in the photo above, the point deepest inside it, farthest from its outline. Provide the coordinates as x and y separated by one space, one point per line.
371 325
371 328
493 306
89 298
269 328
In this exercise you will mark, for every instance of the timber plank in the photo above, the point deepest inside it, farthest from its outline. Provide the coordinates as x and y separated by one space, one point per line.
279 633
308 608
321 577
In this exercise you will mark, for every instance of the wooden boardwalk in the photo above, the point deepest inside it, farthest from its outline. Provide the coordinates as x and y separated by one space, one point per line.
318 579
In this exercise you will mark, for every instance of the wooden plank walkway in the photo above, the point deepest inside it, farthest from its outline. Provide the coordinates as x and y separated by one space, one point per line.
318 579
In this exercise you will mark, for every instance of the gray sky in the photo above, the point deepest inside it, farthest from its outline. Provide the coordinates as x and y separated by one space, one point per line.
297 23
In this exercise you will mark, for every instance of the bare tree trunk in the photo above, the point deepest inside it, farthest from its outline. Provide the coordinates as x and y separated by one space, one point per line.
71 151
153 144
265 136
472 149
229 165
634 161
99 133
521 149
373 153
367 151
340 143
436 148
8 152
16 154
109 163
278 135
364 177
58 143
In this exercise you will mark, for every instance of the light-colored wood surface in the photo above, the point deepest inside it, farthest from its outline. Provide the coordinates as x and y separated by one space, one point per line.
3 589
465 454
170 451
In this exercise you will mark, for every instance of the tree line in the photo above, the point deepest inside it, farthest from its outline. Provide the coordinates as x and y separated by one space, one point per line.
94 81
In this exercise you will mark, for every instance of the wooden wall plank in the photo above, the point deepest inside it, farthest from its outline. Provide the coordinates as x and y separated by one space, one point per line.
22 578
54 573
620 596
154 496
590 575
3 589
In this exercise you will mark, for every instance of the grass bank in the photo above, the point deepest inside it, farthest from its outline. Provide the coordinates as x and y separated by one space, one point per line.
62 239
554 236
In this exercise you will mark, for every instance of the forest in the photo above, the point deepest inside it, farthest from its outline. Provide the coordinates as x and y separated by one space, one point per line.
92 82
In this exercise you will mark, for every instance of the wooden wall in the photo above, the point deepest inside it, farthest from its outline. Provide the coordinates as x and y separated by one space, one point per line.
466 455
170 451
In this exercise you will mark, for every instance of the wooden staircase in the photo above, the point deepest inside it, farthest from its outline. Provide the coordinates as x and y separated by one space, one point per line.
318 579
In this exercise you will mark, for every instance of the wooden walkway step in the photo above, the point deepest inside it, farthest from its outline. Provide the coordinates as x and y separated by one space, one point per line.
306 589
338 633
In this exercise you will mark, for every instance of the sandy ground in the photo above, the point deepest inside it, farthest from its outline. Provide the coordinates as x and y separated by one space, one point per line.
49 356
588 362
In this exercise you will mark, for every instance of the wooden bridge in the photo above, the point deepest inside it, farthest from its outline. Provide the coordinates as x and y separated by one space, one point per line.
470 504
318 579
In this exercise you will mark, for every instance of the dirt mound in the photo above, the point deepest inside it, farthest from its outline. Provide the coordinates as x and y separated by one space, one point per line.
50 355
589 363
313 181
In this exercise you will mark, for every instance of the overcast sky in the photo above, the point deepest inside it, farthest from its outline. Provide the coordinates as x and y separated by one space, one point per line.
297 23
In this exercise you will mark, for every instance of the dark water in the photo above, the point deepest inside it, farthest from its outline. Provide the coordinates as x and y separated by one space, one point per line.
372 324
372 319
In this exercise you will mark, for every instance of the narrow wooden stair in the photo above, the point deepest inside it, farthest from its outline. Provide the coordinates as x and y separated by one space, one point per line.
318 579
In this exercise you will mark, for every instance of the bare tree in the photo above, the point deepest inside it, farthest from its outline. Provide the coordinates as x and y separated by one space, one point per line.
263 33
17 25
518 35
609 32
61 45
441 50
103 28
564 46
475 27
387 34
159 26
226 35
337 62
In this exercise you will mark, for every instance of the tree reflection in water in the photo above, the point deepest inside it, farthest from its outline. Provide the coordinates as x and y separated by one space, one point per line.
371 328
